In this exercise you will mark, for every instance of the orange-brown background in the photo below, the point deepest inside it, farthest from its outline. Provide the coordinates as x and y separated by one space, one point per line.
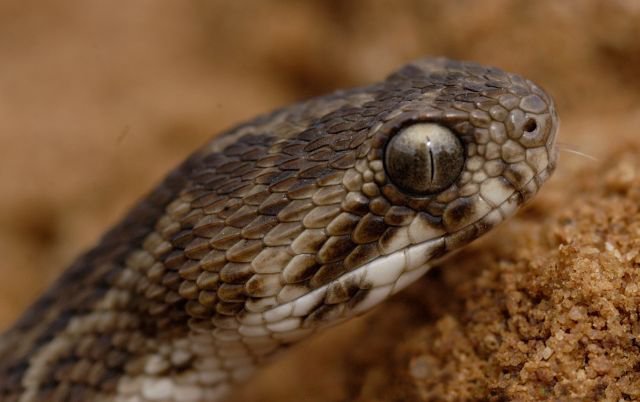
98 99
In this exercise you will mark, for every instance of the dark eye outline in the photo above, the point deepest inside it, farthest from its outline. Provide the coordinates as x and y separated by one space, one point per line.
461 143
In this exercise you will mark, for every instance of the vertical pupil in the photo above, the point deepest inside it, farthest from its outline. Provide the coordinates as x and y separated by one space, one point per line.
432 168
424 158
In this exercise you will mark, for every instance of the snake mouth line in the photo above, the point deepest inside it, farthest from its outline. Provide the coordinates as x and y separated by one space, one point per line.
379 278
526 196
498 213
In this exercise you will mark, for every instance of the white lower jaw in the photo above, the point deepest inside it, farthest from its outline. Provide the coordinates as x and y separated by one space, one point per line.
380 278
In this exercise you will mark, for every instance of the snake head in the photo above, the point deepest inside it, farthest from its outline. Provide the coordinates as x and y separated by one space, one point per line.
459 148
474 145
366 188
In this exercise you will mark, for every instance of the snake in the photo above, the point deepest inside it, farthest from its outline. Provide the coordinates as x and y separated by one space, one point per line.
280 227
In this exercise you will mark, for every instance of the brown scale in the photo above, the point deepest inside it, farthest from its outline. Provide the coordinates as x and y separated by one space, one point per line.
300 268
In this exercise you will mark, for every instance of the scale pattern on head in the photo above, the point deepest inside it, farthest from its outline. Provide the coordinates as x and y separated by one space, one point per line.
290 215
294 221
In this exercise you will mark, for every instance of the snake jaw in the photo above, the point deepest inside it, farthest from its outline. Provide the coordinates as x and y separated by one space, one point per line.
388 275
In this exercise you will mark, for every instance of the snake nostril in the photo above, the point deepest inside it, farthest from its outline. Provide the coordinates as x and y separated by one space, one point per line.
530 126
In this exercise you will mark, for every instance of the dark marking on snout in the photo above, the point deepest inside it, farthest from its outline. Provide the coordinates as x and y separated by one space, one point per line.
458 212
341 291
514 176
461 237
324 313
359 296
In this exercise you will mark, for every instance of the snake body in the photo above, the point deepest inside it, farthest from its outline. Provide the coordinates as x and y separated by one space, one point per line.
279 227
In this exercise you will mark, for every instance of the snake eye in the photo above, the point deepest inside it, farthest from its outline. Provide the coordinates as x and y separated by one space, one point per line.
424 158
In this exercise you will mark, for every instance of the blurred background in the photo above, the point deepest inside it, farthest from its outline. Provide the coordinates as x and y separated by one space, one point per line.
99 99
